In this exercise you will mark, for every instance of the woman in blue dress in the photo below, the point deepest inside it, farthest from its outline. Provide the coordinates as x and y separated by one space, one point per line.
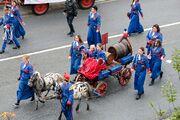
140 64
19 29
153 35
94 24
24 91
157 55
135 25
75 55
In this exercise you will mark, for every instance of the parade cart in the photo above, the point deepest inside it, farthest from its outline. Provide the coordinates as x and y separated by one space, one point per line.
40 7
118 57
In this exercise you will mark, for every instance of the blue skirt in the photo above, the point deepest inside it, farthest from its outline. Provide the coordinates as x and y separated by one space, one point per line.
24 91
135 25
19 30
93 36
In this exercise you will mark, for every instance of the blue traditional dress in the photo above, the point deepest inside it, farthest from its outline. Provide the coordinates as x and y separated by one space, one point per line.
155 61
135 25
140 64
24 91
152 37
94 23
76 56
19 30
67 95
9 32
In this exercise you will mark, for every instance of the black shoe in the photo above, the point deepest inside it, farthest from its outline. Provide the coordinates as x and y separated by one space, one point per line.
16 47
1 52
17 104
152 82
32 99
69 33
22 37
138 97
161 74
10 42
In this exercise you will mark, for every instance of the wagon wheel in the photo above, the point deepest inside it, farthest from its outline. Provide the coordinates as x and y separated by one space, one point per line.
40 9
124 76
80 78
85 4
101 88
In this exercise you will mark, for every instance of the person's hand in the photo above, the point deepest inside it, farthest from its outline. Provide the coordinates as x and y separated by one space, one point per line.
68 105
149 71
98 30
132 69
162 57
68 102
23 23
142 17
69 57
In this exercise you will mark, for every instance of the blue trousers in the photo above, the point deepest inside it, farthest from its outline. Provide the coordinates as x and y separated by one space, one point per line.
7 38
67 113
139 81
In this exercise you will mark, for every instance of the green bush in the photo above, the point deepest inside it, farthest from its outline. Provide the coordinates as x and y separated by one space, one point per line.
176 61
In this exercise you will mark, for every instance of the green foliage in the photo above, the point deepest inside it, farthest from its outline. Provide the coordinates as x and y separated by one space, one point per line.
175 115
169 92
176 61
158 111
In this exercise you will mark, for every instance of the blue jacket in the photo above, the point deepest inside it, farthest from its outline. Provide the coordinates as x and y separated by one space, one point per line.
76 48
67 94
6 19
101 54
15 11
157 53
140 64
94 22
26 72
136 8
156 36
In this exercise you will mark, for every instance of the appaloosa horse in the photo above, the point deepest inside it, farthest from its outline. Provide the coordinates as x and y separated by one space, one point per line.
51 81
82 91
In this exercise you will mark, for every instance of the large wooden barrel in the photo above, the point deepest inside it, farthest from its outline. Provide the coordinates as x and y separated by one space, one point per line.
110 58
121 49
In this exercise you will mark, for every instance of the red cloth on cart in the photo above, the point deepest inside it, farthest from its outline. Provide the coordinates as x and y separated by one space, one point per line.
91 68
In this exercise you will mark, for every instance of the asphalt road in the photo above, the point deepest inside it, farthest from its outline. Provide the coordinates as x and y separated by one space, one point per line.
49 31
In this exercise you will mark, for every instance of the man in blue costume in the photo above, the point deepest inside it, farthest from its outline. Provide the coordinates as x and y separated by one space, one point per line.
94 23
66 98
9 32
24 91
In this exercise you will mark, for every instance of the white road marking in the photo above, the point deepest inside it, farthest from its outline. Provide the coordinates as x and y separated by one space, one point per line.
67 46
168 61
